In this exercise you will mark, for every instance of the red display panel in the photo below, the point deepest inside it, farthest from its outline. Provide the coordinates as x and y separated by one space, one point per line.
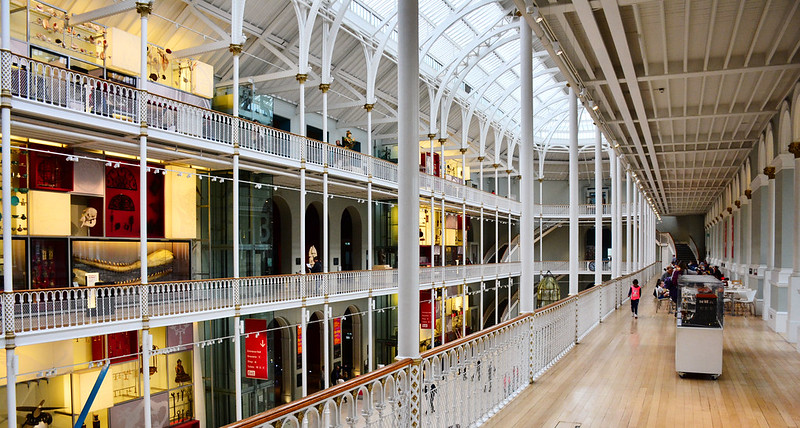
50 171
122 202
255 344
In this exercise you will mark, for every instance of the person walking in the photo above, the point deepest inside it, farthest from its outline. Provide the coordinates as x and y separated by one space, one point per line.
635 293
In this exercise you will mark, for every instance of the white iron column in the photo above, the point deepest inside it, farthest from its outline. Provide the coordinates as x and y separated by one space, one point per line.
408 179
442 171
368 108
236 50
635 214
573 192
370 333
430 169
370 250
326 368
304 349
463 211
770 173
618 222
144 10
598 207
301 105
325 205
612 164
794 280
198 386
325 220
747 226
628 222
8 285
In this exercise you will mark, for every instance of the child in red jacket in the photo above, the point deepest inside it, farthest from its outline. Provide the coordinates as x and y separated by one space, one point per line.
635 293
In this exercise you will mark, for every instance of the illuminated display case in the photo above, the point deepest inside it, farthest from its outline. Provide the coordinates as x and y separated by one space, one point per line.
698 339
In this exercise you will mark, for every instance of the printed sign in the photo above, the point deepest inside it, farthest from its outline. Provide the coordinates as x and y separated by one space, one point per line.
337 331
255 344
425 309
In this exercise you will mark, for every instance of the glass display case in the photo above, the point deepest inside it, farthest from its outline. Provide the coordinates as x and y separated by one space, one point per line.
701 302
698 339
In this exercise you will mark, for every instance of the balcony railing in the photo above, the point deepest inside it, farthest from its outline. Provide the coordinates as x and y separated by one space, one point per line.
462 383
56 86
38 310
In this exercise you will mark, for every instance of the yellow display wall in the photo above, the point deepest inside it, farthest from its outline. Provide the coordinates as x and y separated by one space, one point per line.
122 53
180 204
49 213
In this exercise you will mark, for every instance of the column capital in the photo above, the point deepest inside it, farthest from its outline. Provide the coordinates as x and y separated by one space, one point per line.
462 150
369 106
770 172
495 165
509 171
748 193
144 8
794 148
235 48
324 87
730 210
301 78
442 140
431 136
738 203
481 158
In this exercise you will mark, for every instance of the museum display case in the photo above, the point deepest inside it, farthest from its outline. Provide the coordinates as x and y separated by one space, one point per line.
698 339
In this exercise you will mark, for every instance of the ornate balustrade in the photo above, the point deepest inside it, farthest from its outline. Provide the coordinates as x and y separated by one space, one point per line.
462 383
38 310
48 84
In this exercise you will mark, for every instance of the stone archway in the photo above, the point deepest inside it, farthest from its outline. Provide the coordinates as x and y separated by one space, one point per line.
314 357
350 240
281 229
279 348
313 219
351 341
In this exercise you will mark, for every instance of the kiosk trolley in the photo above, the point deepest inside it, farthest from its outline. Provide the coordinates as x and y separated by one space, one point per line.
698 339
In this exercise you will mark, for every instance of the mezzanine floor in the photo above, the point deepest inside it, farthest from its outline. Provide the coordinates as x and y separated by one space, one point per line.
623 375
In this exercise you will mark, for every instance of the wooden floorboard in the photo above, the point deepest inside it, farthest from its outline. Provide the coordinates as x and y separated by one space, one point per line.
623 374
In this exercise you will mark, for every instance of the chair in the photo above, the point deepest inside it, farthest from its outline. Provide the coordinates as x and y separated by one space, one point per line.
740 303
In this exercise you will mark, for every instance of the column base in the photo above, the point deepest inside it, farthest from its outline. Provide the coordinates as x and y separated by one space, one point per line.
776 320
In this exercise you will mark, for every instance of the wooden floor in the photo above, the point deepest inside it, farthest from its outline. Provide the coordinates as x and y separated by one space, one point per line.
623 375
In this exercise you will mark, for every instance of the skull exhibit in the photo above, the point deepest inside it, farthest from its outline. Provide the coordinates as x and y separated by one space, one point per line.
89 217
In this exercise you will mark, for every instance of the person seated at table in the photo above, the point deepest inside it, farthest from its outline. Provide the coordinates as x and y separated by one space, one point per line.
661 291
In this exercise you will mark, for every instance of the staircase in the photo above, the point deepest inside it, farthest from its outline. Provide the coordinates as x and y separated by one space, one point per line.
684 253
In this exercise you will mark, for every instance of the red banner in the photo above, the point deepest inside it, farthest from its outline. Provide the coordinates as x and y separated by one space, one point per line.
255 344
425 309
337 331
299 340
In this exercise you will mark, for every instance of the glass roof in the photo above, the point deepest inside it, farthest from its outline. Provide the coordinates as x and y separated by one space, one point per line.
482 79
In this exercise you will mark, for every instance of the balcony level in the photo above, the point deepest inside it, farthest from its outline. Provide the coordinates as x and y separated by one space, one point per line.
180 131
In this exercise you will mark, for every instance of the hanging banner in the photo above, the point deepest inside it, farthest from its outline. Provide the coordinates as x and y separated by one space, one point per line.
255 344
425 309
337 331
299 341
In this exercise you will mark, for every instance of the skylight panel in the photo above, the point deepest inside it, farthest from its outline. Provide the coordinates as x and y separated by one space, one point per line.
485 17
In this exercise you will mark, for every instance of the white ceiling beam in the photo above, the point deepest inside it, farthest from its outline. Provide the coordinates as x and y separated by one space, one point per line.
102 12
700 73
263 78
201 49
614 18
690 153
707 116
